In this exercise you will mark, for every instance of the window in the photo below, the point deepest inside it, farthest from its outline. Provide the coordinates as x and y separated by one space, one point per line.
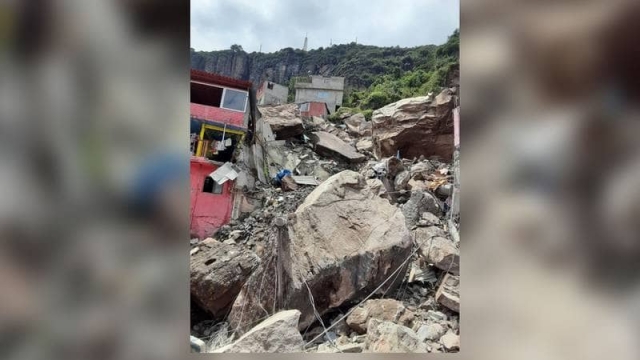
304 107
210 186
206 94
323 95
270 86
234 99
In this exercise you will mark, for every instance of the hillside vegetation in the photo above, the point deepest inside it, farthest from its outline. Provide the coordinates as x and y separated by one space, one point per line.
374 76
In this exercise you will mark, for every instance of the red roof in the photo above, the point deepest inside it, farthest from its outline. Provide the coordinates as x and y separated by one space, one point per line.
216 79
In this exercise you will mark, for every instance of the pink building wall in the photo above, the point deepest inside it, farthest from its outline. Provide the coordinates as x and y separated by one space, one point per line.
208 211
219 115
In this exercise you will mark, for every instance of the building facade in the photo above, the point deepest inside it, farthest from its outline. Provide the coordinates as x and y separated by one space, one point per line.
313 108
316 88
219 108
270 93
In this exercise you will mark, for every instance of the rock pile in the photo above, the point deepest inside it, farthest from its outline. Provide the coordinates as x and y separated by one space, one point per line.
368 261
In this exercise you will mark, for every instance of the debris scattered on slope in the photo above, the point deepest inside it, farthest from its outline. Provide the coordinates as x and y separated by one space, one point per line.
352 285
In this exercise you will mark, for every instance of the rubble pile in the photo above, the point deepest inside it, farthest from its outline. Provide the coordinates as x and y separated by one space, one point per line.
366 261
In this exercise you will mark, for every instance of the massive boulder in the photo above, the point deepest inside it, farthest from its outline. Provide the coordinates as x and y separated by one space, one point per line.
329 145
342 244
278 334
218 272
415 126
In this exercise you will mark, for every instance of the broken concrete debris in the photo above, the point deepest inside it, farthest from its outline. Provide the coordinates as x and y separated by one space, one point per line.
284 121
329 145
364 262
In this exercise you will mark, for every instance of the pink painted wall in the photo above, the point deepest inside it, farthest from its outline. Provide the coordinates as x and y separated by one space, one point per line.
211 113
208 211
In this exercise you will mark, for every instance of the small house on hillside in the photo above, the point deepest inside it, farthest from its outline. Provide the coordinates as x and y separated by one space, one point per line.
270 93
313 108
316 88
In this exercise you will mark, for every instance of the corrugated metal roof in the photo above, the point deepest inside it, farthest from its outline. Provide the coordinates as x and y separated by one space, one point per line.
218 79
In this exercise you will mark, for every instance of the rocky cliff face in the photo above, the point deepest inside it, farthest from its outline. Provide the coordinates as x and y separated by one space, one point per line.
359 64
257 67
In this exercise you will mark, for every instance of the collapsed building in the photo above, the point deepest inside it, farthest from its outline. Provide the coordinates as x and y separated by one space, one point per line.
334 236
219 121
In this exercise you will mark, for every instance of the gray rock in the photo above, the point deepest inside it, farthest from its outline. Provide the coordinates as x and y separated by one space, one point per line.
402 180
444 190
450 341
436 316
431 331
343 242
419 203
387 337
442 253
364 144
277 334
448 293
421 170
430 219
218 272
329 145
341 348
380 309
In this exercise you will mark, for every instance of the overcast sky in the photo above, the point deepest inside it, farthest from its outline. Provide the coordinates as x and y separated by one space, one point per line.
276 24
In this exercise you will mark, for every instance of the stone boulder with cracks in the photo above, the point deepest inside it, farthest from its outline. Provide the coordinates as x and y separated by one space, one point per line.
415 126
343 242
218 272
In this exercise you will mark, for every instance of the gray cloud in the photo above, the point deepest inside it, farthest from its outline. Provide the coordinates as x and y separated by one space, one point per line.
276 24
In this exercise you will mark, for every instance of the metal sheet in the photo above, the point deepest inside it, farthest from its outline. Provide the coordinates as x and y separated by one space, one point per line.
226 172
